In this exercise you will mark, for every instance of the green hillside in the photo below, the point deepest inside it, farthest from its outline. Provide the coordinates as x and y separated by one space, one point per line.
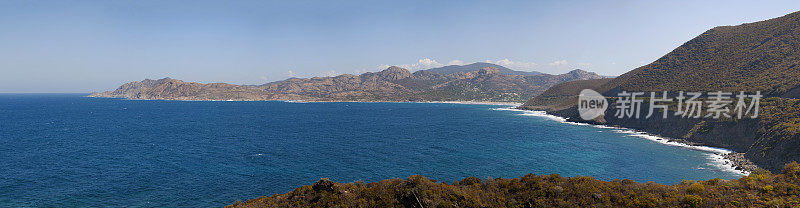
761 56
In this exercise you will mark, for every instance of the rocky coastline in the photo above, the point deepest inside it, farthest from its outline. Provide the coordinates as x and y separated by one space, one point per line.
734 159
739 162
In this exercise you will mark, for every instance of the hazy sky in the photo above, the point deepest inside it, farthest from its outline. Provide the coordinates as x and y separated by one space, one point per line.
85 46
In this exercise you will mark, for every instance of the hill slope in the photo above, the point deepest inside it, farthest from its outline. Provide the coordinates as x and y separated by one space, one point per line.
762 56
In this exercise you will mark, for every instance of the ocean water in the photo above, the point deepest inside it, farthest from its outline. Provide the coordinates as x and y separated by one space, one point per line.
65 150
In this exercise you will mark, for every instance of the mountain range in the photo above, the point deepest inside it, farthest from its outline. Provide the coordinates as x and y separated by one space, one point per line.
473 82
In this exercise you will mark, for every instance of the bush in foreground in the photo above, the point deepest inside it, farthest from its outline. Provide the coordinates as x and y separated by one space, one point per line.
759 189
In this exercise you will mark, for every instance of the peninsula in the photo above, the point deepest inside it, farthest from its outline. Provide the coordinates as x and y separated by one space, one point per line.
480 82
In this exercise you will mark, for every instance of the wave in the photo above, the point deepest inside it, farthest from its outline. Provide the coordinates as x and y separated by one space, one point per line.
715 155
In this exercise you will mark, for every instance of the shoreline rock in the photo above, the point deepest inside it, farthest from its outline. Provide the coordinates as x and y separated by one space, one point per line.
739 162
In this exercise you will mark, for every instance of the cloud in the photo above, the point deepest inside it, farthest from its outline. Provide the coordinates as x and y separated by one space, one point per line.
559 63
330 73
584 65
516 65
290 73
421 64
361 71
455 62
263 78
504 62
428 63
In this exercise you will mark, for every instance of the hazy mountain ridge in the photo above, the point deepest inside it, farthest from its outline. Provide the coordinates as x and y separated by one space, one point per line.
391 84
762 56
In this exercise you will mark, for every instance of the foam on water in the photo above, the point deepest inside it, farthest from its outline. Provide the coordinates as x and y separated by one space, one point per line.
715 155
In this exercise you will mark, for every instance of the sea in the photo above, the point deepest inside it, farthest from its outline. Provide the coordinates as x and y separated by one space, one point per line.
68 150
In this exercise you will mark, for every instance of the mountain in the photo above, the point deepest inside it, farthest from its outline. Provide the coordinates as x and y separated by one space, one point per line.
173 89
564 95
761 56
391 84
445 70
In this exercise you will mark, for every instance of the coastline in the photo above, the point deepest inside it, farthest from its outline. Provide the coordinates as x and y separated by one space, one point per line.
332 101
386 101
724 159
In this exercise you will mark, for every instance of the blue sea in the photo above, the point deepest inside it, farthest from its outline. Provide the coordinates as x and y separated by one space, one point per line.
66 150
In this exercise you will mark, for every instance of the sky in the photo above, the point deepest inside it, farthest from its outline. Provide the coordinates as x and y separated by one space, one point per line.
87 46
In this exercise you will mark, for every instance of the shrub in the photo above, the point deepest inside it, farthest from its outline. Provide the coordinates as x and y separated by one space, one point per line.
470 181
696 188
792 169
762 190
767 189
693 200
324 184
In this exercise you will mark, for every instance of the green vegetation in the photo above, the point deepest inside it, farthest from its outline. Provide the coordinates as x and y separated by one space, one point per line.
564 95
778 136
760 189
